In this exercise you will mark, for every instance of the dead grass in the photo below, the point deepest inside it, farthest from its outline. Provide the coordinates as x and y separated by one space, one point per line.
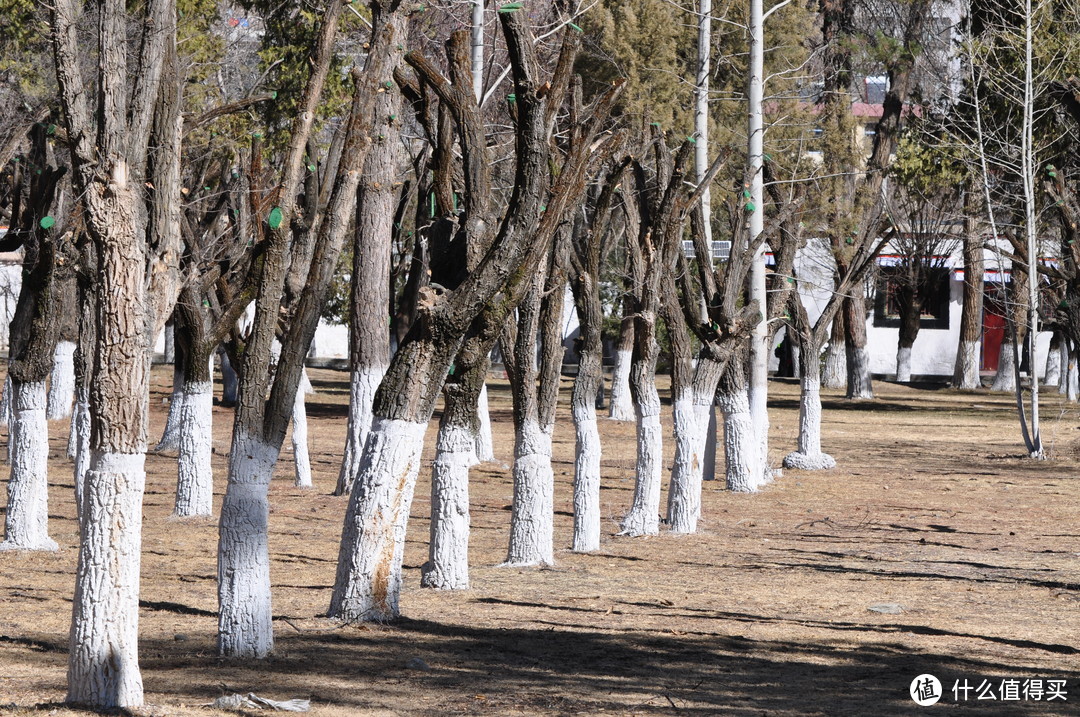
762 613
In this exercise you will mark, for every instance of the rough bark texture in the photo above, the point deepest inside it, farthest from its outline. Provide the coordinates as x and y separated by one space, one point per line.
966 374
448 563
194 476
26 523
834 371
859 383
743 472
369 335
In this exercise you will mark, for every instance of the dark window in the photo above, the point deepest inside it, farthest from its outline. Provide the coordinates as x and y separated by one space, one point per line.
935 313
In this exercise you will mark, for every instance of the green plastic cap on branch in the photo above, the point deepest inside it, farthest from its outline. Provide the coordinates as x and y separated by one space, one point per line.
511 99
275 218
511 7
750 206
47 222
575 27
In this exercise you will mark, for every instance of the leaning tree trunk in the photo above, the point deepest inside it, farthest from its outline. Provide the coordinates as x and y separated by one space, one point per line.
622 402
835 373
809 456
859 384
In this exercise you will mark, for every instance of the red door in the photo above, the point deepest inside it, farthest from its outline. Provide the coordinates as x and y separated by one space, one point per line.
993 328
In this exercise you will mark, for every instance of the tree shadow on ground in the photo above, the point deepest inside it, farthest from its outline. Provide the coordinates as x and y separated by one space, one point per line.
583 668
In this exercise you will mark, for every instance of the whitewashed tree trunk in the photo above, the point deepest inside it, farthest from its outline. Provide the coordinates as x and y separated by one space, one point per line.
1005 378
644 515
532 521
684 493
587 451
26 524
363 384
244 626
903 364
967 365
622 403
5 412
104 664
368 582
859 382
485 446
62 381
194 477
1052 376
834 372
809 456
80 429
743 473
170 437
448 560
299 434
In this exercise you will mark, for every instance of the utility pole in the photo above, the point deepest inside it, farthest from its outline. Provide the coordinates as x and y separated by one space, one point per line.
759 350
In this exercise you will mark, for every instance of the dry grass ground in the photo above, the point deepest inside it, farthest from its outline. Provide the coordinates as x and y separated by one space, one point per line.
765 612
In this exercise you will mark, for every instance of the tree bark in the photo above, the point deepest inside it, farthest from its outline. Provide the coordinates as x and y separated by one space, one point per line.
809 456
859 383
966 373
621 406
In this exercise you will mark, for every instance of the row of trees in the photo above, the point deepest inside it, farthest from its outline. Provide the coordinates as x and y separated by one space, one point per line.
461 186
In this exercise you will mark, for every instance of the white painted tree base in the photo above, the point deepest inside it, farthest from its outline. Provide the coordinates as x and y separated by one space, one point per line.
532 519
244 611
903 365
834 372
194 476
103 666
448 554
301 457
622 402
644 515
587 449
363 384
170 437
26 523
684 492
859 378
809 456
1052 376
966 375
485 445
368 582
62 381
1005 378
742 472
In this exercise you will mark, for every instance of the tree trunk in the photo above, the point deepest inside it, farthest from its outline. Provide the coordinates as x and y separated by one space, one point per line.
194 476
301 457
26 524
170 436
587 448
485 445
743 472
448 550
809 456
1052 376
834 373
859 384
966 373
230 382
622 403
644 518
369 335
62 381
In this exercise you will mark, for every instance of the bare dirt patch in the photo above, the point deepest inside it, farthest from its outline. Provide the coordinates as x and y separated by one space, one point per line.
765 612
